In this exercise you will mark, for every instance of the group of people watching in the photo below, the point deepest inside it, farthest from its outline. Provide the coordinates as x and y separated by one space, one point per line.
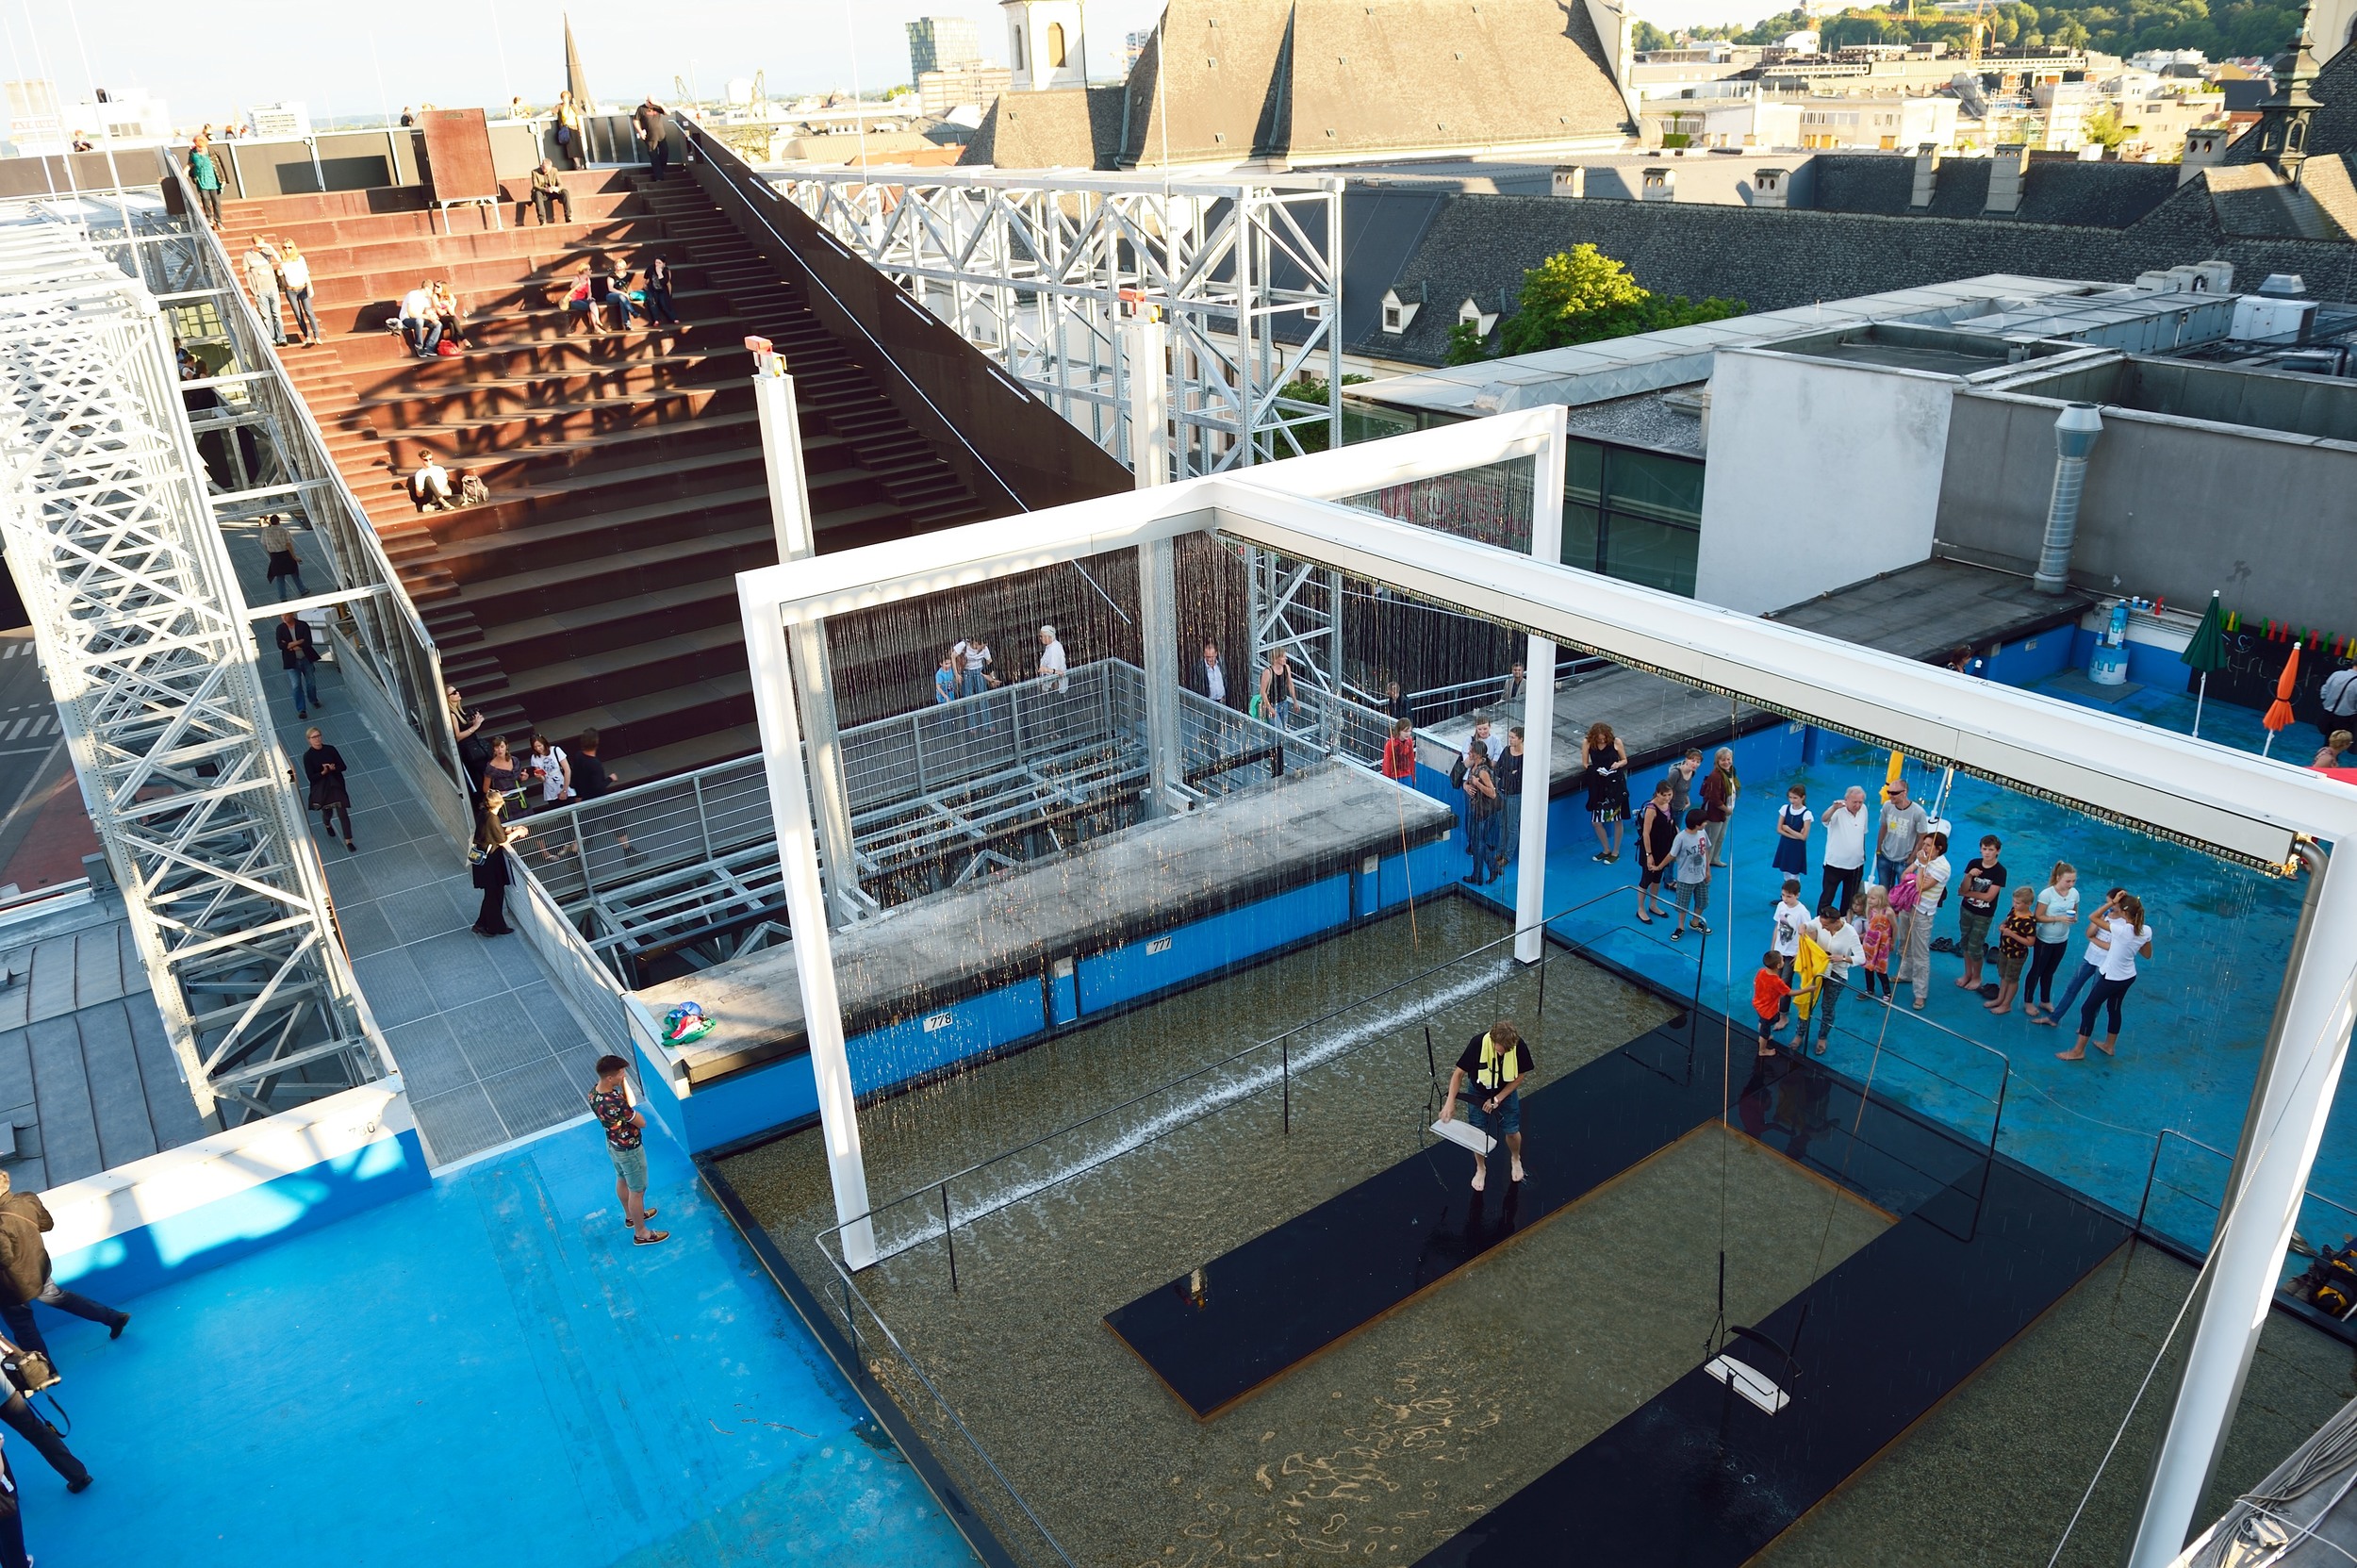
504 784
599 294
966 669
1858 927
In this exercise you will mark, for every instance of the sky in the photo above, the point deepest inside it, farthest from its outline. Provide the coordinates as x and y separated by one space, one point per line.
343 58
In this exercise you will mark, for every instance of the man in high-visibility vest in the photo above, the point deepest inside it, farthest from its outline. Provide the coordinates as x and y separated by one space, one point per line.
1495 1065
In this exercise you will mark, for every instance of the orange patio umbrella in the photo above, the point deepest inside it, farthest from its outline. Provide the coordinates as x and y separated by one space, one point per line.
2279 711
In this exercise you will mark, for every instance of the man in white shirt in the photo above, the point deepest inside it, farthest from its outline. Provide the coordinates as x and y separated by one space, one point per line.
1494 745
1051 660
261 276
429 482
1845 852
1832 931
421 324
1212 675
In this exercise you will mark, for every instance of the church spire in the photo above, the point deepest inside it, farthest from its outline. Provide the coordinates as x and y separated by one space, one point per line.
576 79
2284 114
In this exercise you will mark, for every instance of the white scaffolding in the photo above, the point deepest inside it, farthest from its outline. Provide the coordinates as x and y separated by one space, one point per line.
1039 269
143 634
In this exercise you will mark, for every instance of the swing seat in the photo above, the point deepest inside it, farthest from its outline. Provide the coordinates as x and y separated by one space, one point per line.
1753 1384
1465 1135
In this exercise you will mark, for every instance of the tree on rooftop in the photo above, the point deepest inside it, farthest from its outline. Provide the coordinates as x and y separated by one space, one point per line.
1584 296
2104 127
1465 346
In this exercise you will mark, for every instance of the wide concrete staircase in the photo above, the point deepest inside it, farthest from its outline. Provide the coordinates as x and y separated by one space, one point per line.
596 587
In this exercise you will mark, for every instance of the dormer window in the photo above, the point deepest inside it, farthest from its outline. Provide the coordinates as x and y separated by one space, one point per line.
1469 314
1397 312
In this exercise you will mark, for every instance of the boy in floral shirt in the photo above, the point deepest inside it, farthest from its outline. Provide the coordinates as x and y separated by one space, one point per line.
626 1145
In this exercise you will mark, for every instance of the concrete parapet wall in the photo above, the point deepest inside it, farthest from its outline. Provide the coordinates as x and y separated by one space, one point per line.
2173 507
142 1224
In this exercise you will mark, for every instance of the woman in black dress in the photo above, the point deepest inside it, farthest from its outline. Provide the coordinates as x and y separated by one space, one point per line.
487 859
1657 830
1608 788
659 308
323 766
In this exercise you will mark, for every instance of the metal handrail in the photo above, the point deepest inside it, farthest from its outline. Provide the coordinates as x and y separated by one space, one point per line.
754 190
433 712
850 1293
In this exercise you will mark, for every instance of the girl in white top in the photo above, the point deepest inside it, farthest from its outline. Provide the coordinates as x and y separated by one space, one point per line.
554 771
2124 938
2057 911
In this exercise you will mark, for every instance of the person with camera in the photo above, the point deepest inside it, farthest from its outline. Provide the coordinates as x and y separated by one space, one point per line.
25 1275
31 1369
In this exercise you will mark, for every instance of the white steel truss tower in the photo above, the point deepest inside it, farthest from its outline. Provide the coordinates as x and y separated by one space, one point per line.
1039 271
142 632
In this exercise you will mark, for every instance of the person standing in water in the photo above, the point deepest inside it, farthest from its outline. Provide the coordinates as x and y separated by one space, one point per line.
1494 1064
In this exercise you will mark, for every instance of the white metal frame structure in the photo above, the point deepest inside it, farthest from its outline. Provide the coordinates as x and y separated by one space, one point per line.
143 634
2225 803
1040 271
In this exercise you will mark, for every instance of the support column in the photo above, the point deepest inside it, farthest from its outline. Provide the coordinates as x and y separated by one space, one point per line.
814 943
1145 351
1530 878
2294 1099
813 674
1158 629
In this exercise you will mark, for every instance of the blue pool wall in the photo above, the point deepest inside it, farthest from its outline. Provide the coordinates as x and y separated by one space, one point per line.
1071 993
157 1220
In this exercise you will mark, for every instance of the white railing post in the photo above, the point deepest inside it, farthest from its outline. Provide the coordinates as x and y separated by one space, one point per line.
2293 1100
1145 352
789 513
807 909
1530 875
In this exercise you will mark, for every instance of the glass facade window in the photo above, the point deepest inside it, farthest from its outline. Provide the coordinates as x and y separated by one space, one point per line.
1632 514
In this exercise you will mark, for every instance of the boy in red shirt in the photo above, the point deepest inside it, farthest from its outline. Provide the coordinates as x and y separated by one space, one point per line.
1769 992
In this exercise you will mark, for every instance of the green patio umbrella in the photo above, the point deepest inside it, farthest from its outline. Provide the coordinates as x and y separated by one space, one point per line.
2205 652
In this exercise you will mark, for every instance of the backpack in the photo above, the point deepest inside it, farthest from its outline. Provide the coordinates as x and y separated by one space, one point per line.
2339 687
471 490
1905 894
1456 772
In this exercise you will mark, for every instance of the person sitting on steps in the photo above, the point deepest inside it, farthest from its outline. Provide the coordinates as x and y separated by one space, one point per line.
581 302
429 483
548 192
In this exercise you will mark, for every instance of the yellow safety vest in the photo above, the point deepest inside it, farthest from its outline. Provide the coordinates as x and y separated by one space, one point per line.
1498 1068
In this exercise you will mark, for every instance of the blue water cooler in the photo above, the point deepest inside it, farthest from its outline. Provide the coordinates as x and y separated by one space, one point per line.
2109 664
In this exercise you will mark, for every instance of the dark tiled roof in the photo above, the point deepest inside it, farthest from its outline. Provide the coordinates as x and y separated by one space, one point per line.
2253 202
1316 78
2093 196
1063 128
1864 184
2054 190
2335 129
1478 246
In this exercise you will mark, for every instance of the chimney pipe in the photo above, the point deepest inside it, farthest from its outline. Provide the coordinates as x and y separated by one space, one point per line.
2075 430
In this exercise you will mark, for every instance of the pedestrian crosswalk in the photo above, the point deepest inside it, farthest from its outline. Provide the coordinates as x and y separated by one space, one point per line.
22 645
28 728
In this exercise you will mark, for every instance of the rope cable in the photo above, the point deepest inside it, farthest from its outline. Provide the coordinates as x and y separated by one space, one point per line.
2229 1212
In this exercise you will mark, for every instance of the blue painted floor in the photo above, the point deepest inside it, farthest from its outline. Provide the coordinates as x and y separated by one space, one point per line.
485 1373
2194 1022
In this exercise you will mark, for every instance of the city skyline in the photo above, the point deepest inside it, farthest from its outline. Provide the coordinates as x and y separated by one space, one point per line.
345 62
